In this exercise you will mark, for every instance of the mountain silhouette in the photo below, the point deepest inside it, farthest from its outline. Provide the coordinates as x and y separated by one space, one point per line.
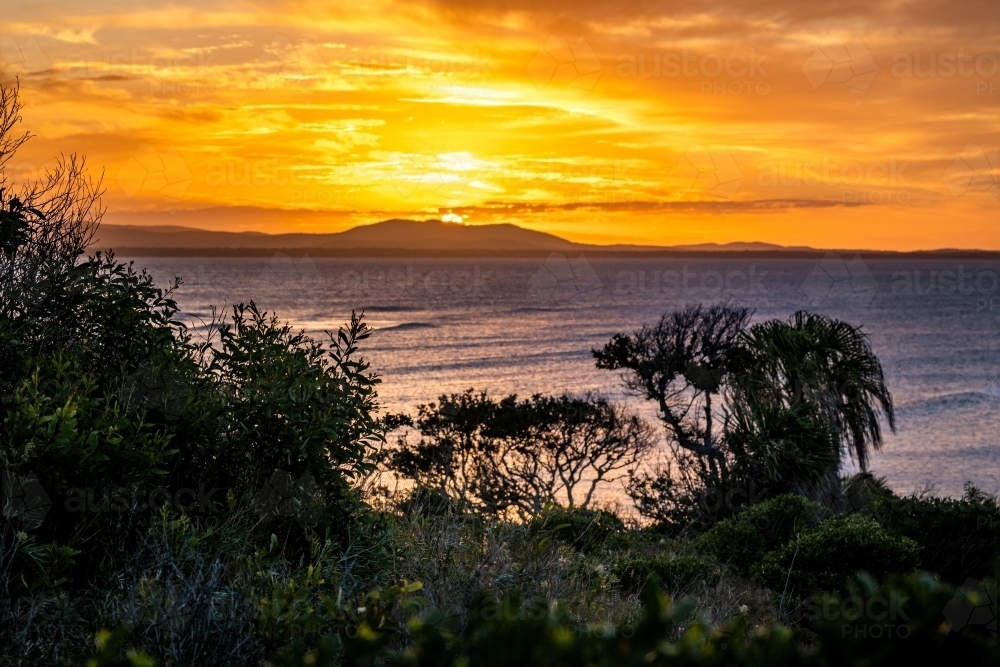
389 234
436 238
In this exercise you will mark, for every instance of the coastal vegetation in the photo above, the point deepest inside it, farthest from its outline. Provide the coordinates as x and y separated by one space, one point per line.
235 495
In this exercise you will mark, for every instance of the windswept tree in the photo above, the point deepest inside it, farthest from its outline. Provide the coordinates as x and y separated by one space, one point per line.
763 409
682 364
559 450
520 455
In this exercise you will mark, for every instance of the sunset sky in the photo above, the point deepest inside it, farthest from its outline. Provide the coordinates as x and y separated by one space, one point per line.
837 123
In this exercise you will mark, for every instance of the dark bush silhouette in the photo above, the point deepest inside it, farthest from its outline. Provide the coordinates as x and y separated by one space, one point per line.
825 557
745 539
521 455
959 538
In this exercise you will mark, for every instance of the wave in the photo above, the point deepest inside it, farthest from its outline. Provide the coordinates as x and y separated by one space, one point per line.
968 399
379 308
407 326
534 309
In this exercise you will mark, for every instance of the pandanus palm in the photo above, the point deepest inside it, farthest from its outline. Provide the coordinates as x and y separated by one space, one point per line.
822 364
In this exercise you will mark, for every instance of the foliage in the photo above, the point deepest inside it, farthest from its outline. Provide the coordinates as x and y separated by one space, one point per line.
680 364
425 501
178 597
580 528
673 572
905 620
201 496
110 408
823 363
293 405
781 449
959 538
110 651
906 627
46 224
744 540
361 630
511 455
767 407
822 559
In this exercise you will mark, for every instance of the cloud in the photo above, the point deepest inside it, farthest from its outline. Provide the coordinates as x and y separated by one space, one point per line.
501 208
326 106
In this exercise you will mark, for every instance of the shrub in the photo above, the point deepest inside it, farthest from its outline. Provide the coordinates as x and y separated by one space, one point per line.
666 634
583 529
296 406
181 599
743 540
823 558
109 406
959 538
674 573
515 457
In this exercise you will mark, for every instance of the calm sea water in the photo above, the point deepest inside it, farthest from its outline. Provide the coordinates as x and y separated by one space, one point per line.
528 325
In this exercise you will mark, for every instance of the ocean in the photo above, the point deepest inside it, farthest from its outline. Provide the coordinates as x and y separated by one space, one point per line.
528 326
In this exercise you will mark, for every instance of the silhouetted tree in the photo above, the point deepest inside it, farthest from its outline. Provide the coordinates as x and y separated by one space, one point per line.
682 363
512 455
750 411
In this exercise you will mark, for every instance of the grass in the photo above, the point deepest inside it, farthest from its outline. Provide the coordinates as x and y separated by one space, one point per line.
192 595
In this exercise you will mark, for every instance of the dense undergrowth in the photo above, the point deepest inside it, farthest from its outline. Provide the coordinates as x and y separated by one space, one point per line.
174 499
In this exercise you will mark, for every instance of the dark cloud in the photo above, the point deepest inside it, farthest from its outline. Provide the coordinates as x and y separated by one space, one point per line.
755 206
980 16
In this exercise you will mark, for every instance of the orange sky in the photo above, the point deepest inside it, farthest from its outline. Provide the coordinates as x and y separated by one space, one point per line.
832 123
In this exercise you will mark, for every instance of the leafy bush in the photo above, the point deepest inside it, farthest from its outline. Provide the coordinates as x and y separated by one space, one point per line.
959 538
583 529
293 405
517 456
743 540
668 634
824 558
907 620
672 572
